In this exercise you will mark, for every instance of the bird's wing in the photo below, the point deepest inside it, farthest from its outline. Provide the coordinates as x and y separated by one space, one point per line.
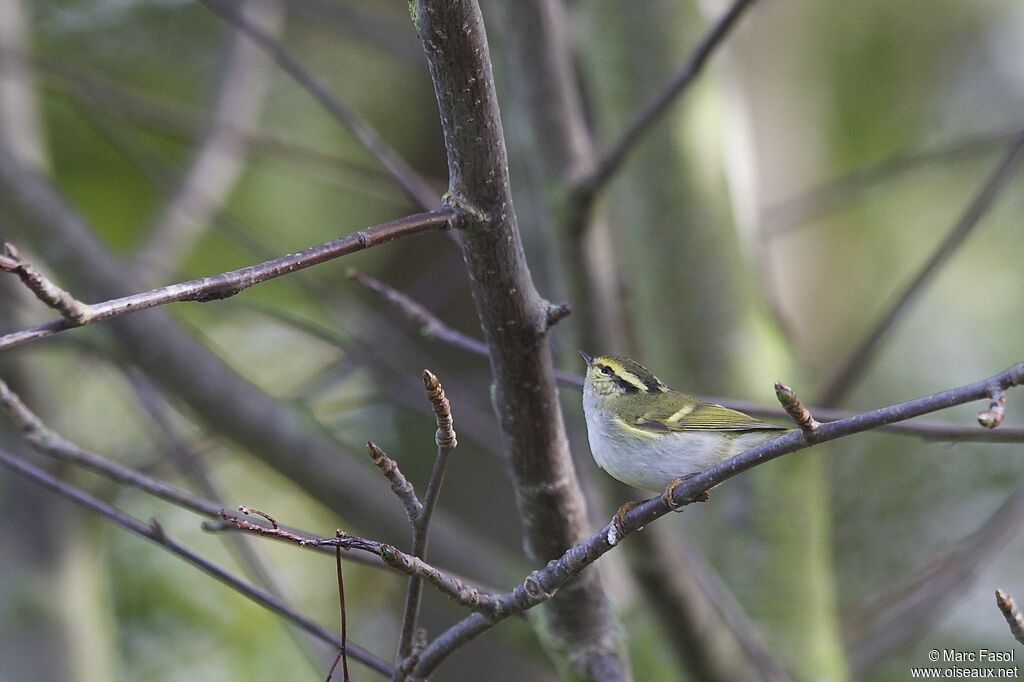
681 412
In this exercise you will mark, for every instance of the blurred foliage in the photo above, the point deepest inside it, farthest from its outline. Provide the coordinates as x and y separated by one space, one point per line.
875 78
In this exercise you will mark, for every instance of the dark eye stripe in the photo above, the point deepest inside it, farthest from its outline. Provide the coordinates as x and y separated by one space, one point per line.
626 386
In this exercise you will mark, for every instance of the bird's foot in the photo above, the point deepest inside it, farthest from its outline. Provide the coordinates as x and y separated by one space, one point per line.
667 496
620 517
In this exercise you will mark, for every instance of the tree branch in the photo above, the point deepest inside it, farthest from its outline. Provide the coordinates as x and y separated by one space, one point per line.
543 584
415 186
513 317
454 588
155 533
590 185
446 442
227 284
839 384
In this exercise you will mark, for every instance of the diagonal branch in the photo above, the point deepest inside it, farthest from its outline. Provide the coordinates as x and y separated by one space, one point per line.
155 533
543 584
590 185
226 284
415 186
452 587
839 384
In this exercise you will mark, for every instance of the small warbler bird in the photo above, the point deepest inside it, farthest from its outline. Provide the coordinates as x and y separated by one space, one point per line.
650 437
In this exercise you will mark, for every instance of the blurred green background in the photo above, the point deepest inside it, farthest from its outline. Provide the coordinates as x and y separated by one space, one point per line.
810 171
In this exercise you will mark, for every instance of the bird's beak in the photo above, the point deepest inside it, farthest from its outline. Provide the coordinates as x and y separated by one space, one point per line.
587 358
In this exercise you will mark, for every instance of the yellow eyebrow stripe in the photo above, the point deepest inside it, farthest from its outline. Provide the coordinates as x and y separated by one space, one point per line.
632 380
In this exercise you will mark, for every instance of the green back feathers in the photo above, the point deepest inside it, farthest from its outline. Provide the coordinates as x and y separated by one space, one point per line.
647 404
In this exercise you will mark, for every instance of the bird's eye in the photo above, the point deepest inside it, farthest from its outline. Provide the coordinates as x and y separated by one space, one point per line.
607 370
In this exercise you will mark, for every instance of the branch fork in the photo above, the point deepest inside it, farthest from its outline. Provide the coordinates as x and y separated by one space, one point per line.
70 308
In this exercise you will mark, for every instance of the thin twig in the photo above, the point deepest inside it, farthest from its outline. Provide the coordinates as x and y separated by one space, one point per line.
590 185
839 384
430 325
415 186
454 588
542 584
154 532
795 409
434 328
446 441
225 284
342 651
400 485
70 309
1012 615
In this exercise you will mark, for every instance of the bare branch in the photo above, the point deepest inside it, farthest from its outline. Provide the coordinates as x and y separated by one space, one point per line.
430 325
795 409
226 284
543 584
579 625
155 533
1012 615
844 378
415 186
220 159
343 651
72 310
400 486
589 186
446 442
448 585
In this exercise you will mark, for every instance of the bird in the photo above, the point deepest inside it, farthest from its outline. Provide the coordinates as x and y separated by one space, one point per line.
652 437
